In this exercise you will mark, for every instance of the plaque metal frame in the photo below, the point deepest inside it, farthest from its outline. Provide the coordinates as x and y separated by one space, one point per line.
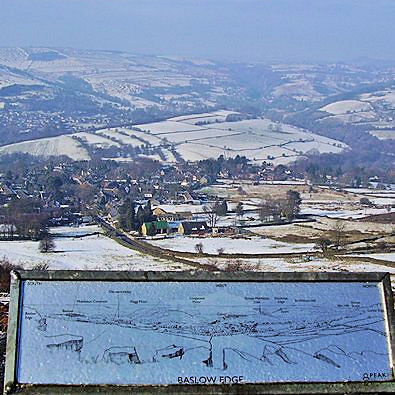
11 385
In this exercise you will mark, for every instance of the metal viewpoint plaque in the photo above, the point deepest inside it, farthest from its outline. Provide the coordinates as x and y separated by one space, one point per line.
199 329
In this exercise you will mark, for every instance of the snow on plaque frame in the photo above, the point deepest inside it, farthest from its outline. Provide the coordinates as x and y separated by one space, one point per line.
287 332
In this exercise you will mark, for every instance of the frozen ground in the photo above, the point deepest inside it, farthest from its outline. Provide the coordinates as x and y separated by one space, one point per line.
96 140
53 146
344 214
390 256
77 231
257 139
346 106
384 134
298 265
253 245
387 96
87 253
77 249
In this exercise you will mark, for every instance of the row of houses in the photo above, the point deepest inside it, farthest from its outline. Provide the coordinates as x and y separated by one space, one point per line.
171 216
183 228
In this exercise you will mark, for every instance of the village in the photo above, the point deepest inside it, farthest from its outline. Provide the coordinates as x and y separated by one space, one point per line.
224 214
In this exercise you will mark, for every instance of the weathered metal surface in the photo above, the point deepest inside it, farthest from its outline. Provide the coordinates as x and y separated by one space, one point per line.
199 276
12 333
271 389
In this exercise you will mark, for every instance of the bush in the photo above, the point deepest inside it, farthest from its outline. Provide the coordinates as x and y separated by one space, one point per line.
365 201
5 269
323 244
41 266
234 265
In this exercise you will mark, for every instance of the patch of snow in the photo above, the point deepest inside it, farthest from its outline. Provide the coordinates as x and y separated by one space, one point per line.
96 140
253 245
346 106
89 253
52 146
385 256
384 134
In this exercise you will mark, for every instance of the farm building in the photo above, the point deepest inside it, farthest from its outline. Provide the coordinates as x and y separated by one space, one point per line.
154 228
193 227
164 215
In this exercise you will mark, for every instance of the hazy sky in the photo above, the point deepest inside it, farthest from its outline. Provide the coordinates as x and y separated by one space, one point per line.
264 30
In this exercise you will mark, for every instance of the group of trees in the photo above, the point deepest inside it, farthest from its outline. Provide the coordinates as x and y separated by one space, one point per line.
132 216
290 206
336 235
22 219
271 210
233 166
351 167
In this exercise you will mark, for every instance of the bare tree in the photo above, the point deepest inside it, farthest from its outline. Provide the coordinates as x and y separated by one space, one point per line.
234 265
211 214
239 209
323 244
269 211
46 244
199 248
338 230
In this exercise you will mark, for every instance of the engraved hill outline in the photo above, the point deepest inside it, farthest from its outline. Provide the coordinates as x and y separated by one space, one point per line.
276 327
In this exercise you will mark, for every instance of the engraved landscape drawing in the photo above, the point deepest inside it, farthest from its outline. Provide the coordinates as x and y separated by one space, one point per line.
201 332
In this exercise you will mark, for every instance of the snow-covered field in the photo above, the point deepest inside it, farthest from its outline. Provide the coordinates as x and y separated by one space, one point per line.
353 117
53 146
298 265
95 139
346 106
253 245
387 96
96 252
325 223
378 197
385 256
314 230
257 139
75 231
384 134
254 138
209 116
168 127
344 214
369 191
301 89
125 139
